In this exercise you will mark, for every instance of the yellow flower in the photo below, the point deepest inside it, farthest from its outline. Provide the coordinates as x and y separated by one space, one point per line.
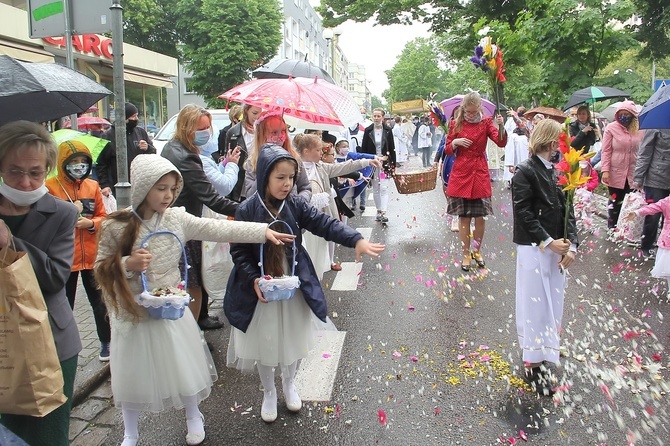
575 179
488 49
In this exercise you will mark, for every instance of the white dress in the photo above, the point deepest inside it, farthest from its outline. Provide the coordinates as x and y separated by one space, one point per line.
516 151
661 268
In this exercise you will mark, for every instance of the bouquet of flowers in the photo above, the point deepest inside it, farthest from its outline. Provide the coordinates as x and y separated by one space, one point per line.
569 172
437 115
489 58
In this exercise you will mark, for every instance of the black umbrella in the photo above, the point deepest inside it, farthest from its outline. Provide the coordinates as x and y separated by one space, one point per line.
283 68
44 91
592 94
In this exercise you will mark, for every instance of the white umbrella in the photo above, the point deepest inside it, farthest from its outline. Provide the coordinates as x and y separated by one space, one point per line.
610 111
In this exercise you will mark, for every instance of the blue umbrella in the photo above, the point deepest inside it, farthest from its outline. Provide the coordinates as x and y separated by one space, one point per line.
656 111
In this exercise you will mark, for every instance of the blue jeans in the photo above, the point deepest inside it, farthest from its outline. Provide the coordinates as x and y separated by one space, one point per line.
425 156
650 228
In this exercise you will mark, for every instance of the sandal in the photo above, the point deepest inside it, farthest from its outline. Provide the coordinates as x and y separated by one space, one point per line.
477 257
465 266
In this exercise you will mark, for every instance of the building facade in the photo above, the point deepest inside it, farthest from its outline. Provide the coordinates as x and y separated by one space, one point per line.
148 75
302 33
358 86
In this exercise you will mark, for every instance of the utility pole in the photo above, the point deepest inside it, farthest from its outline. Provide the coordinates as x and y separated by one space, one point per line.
122 186
69 57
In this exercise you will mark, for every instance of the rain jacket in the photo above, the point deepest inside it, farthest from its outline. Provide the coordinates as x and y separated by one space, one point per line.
662 206
619 152
240 301
86 191
652 168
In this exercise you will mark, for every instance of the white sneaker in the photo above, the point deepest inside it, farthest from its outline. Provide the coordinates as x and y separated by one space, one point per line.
269 407
198 436
293 401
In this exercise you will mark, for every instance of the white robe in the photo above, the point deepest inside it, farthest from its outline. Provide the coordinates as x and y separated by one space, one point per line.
516 151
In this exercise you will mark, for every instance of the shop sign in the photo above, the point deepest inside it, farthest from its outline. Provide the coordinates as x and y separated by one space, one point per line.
86 43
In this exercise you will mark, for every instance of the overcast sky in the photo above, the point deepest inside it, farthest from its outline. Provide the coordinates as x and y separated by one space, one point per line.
376 47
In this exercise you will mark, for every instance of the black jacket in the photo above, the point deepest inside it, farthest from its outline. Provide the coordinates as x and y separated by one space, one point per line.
105 168
198 190
586 140
234 138
538 204
240 301
388 146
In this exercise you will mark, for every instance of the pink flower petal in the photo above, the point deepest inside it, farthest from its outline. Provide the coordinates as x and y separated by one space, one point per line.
382 417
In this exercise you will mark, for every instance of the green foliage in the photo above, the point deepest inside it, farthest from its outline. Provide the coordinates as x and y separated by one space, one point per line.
378 103
654 30
416 74
150 24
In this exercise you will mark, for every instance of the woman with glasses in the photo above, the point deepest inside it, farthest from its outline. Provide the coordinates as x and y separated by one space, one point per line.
469 189
42 226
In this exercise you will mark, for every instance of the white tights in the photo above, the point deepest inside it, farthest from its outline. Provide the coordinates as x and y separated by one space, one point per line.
131 417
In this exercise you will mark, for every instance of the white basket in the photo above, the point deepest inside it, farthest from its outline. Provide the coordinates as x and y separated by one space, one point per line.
279 288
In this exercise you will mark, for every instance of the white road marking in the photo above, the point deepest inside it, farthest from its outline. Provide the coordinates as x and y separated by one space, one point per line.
347 279
370 211
316 375
365 232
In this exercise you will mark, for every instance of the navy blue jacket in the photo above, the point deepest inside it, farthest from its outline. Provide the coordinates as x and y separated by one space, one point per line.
240 300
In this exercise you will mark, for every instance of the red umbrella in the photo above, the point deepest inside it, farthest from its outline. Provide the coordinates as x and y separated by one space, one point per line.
342 102
86 121
288 97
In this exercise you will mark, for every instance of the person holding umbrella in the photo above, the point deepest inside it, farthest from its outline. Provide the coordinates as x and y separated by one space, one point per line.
583 130
621 143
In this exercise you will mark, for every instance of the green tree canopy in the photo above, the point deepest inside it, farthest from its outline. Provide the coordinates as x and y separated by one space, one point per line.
416 74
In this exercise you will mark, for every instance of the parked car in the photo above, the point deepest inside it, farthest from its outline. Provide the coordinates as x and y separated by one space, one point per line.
220 119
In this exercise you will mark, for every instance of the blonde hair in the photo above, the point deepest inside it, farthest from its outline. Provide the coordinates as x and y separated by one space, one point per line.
261 137
235 113
379 110
20 135
302 142
634 125
544 133
469 99
245 114
187 124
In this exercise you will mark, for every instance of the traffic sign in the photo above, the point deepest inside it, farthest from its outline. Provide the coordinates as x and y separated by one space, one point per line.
661 83
46 17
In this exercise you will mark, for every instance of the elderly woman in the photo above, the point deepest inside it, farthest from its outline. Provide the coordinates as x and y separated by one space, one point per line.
621 143
43 227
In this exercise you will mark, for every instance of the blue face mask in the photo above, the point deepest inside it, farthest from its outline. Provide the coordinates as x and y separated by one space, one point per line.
201 137
624 120
210 147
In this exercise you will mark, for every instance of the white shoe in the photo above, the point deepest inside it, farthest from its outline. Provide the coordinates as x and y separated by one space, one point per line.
269 407
129 441
195 438
293 401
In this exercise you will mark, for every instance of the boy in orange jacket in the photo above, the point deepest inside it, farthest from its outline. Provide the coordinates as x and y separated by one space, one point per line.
72 184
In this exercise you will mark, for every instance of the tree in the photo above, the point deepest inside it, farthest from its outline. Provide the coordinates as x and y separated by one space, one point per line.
220 41
416 74
654 28
378 103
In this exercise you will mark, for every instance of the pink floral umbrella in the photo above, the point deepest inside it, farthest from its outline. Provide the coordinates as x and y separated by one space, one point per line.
288 97
343 103
449 105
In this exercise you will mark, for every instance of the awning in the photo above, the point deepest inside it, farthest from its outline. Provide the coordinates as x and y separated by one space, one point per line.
24 52
146 78
415 106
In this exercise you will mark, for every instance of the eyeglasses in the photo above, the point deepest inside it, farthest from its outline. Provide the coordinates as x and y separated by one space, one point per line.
18 174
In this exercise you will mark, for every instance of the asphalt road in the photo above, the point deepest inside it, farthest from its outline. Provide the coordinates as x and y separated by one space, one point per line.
430 355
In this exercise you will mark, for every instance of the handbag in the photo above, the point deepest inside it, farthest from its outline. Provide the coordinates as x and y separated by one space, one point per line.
631 230
216 262
31 379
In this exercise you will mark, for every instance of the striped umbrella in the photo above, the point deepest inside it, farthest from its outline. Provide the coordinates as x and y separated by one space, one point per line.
590 95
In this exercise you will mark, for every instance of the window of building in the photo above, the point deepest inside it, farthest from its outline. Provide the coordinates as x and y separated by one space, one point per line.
188 85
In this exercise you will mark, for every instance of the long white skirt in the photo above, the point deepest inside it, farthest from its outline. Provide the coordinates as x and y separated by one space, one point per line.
155 363
661 268
317 248
280 333
540 290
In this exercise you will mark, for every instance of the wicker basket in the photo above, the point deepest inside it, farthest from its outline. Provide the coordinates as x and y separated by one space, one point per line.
412 183
164 306
279 288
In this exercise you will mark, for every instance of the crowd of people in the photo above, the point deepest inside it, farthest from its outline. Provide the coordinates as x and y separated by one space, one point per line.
290 198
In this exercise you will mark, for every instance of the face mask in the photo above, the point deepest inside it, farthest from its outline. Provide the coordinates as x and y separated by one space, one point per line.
277 139
131 124
77 171
474 120
624 120
556 157
210 147
344 151
20 197
201 137
363 116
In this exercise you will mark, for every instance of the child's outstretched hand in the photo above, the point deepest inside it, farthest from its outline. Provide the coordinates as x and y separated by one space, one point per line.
278 238
139 260
257 289
365 247
631 216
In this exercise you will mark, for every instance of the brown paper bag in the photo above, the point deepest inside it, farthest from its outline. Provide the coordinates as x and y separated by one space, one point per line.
31 380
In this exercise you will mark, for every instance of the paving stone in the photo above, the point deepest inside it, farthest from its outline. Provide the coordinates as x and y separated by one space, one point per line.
90 409
104 391
76 427
110 417
95 436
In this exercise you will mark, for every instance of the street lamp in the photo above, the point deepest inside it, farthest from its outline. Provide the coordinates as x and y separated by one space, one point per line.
331 37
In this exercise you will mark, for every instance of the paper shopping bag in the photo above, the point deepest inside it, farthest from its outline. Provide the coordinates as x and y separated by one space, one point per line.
216 262
31 380
631 230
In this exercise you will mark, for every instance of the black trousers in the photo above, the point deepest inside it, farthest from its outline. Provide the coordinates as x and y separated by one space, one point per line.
651 222
615 203
94 298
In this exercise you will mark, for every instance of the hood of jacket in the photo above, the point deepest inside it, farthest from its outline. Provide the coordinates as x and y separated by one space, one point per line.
628 106
145 171
68 150
269 155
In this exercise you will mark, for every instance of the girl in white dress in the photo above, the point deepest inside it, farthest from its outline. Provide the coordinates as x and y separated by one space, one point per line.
158 363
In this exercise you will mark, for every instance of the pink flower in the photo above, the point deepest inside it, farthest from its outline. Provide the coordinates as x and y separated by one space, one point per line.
382 417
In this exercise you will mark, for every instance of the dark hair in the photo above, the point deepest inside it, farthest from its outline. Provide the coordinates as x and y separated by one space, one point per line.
110 273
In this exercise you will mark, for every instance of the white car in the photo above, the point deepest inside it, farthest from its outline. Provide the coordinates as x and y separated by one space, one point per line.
220 120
